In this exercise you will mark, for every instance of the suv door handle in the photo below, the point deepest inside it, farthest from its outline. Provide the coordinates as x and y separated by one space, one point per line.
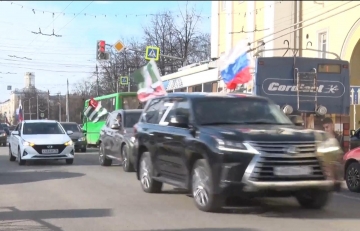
151 134
168 137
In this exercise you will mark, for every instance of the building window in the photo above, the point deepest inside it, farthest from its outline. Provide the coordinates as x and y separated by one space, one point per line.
223 5
322 44
210 87
180 89
196 88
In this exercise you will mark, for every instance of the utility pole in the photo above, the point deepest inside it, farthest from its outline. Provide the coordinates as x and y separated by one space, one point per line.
59 94
37 106
129 79
48 105
97 81
67 100
30 108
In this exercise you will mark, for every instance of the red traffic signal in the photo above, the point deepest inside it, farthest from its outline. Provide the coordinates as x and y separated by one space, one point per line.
101 45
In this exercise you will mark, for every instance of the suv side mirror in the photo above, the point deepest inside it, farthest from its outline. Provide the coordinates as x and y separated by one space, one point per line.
115 127
297 121
352 132
179 121
15 133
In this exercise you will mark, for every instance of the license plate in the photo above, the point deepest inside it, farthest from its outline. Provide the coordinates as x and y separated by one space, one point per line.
50 151
292 171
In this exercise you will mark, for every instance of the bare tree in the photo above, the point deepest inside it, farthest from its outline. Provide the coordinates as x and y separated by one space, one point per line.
85 88
182 39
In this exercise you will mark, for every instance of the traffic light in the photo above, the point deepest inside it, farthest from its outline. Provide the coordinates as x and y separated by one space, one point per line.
100 50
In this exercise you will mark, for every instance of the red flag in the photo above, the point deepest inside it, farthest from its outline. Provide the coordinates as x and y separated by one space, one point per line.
93 103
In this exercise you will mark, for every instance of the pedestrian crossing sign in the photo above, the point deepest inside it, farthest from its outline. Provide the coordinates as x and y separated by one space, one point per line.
124 80
152 53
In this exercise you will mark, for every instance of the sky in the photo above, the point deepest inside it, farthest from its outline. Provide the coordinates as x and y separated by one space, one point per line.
80 24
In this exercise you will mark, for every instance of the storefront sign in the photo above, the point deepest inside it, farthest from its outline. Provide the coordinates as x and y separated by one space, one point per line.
191 80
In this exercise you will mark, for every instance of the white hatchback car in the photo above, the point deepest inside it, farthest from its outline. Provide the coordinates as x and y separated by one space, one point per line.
40 140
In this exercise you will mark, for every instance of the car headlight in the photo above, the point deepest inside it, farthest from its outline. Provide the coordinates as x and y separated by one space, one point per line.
329 145
3 134
69 143
132 139
233 146
25 143
81 139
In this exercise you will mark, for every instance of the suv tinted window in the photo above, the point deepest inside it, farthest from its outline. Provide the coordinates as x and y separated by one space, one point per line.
152 114
180 107
237 110
131 118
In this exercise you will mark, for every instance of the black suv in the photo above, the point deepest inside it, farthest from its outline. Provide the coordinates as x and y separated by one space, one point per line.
223 145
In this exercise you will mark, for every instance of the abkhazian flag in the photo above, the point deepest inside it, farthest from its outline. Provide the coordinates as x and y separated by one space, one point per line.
94 111
149 82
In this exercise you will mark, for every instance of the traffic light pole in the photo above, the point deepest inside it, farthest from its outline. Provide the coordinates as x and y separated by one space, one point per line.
166 56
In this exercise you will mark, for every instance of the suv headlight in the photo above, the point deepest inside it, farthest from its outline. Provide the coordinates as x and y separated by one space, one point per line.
3 134
69 143
329 145
81 139
25 143
234 146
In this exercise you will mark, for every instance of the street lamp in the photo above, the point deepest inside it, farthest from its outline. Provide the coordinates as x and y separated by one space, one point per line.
29 107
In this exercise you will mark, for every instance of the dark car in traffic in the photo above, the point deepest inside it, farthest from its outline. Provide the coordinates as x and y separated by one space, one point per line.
220 146
78 137
3 135
117 138
6 128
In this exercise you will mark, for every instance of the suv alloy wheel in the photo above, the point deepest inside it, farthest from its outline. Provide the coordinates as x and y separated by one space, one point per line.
126 164
313 199
352 177
102 157
202 188
148 184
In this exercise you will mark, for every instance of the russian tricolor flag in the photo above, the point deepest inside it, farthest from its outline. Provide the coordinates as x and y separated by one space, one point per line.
235 66
20 112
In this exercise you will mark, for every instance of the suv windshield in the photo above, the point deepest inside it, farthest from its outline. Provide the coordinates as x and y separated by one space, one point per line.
71 127
131 118
42 128
214 111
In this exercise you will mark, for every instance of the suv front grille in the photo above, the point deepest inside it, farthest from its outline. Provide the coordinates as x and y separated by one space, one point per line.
274 154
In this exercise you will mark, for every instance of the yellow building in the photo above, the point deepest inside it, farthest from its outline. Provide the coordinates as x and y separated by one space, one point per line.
256 22
332 26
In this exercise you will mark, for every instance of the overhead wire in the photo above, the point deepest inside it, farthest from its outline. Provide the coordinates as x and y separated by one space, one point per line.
292 26
52 22
299 28
69 21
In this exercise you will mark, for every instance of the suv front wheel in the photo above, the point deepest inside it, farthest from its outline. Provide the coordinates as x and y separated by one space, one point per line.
202 188
148 184
313 199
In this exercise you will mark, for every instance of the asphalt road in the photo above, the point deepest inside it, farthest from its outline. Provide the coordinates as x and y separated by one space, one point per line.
86 196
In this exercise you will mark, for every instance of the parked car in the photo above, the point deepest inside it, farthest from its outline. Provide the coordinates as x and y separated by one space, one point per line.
40 140
78 137
3 136
224 145
352 169
116 140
